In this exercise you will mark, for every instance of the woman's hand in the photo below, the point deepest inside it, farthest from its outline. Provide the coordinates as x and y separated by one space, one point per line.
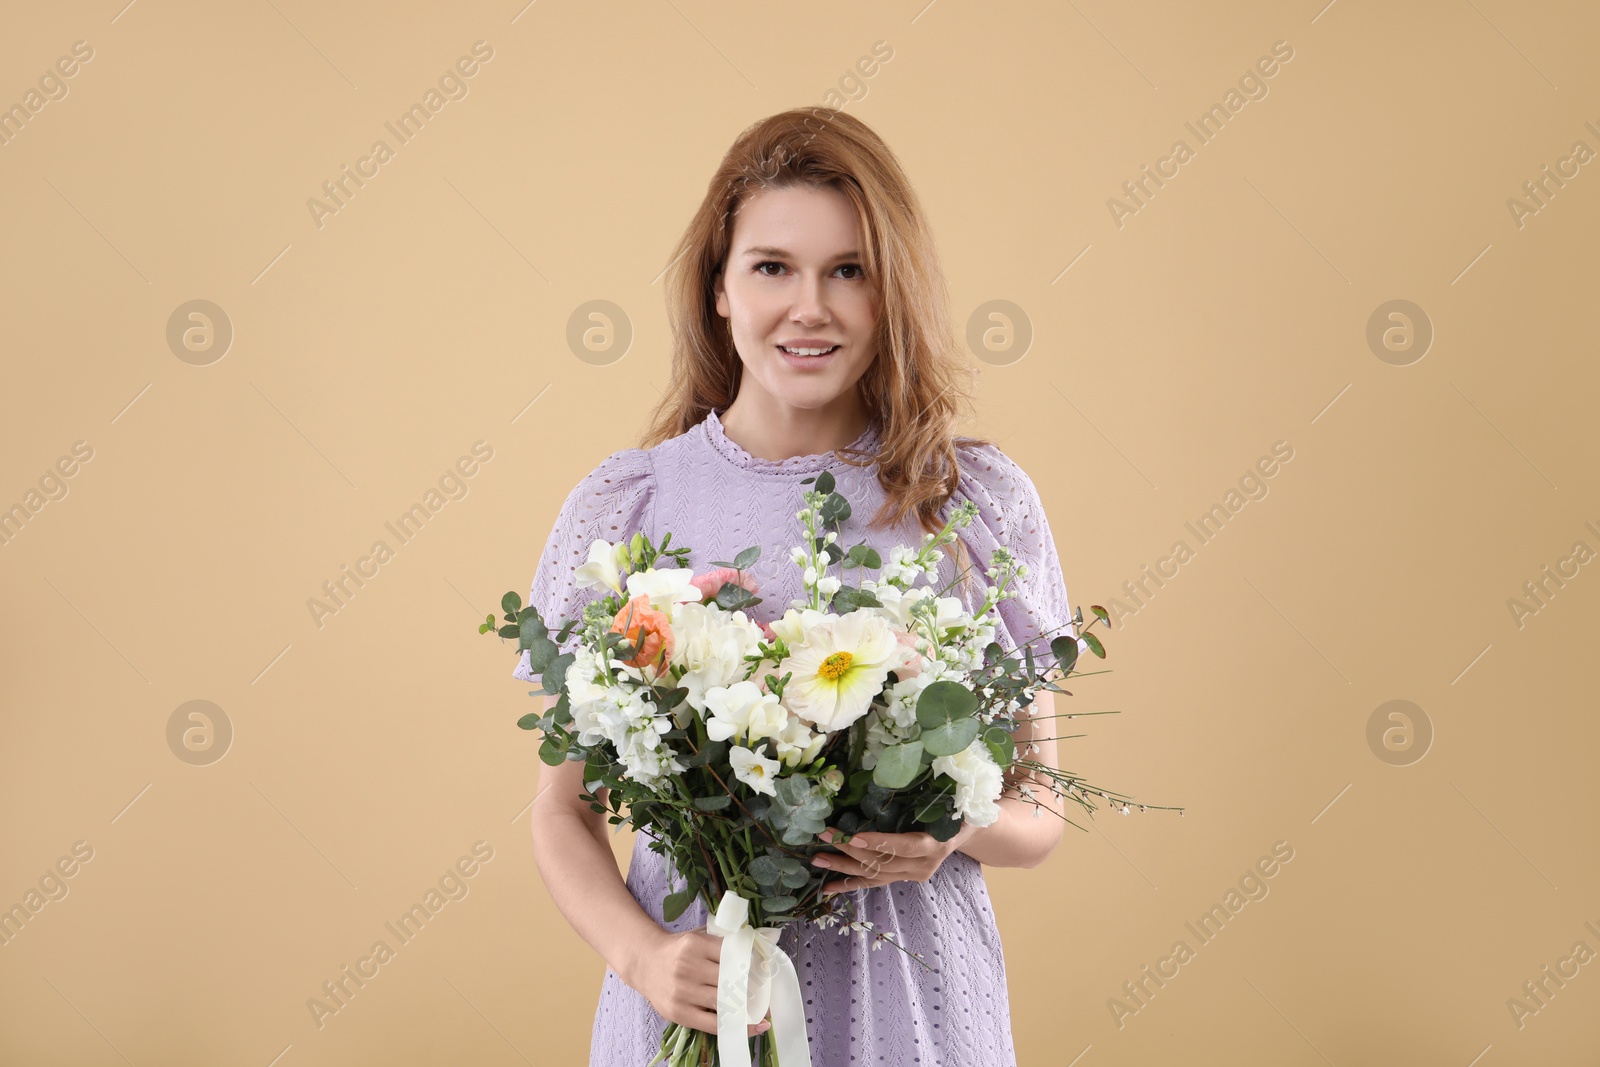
678 976
871 859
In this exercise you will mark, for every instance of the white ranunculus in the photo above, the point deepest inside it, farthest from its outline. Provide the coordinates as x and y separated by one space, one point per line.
744 711
664 586
603 569
979 782
754 770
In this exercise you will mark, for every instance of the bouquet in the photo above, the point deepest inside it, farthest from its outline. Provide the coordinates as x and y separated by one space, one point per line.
879 706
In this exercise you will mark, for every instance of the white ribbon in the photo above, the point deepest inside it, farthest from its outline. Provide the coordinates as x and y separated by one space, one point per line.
755 974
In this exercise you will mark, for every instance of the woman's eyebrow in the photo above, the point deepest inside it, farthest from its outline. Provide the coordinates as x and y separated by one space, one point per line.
781 253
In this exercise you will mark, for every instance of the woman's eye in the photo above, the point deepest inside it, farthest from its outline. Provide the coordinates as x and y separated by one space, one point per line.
761 268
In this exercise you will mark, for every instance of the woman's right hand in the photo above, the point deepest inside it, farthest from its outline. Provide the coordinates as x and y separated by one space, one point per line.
677 974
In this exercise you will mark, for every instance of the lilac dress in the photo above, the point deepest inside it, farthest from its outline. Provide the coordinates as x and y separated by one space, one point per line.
864 1006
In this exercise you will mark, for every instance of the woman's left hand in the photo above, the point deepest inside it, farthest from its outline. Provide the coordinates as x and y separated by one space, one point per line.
871 859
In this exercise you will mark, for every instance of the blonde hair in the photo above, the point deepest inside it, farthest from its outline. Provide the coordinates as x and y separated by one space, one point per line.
916 386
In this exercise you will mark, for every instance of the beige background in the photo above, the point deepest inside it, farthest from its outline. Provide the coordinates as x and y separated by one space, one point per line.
373 748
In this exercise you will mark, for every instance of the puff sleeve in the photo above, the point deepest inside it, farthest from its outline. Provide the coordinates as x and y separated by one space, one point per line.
1011 513
614 501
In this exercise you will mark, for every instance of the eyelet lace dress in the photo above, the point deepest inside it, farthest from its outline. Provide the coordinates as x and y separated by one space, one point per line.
865 1005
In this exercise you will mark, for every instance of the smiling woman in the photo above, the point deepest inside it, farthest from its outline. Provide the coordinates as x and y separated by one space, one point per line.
811 332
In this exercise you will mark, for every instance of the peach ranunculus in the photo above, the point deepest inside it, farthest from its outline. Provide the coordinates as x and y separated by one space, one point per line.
649 630
710 583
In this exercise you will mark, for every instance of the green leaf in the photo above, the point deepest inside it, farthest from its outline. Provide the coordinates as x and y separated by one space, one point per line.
794 874
529 721
511 603
943 702
774 905
1001 746
552 753
746 559
824 482
765 871
713 803
952 737
1065 650
1100 612
898 765
676 904
1094 645
947 827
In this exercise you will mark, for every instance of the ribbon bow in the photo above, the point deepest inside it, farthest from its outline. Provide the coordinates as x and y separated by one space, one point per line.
754 974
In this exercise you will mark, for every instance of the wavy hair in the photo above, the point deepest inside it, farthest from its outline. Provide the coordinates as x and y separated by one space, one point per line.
917 386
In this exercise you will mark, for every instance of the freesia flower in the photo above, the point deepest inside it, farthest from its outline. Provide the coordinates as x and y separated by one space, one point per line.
665 587
603 569
839 669
742 710
797 744
754 770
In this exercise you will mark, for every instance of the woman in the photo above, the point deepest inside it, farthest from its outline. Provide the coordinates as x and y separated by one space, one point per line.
811 332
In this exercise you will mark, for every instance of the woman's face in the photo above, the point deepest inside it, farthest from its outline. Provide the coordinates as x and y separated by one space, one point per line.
794 278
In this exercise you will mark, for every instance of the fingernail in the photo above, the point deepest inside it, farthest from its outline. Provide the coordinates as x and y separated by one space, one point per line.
826 835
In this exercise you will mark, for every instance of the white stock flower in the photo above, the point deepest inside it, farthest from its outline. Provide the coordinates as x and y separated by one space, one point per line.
979 782
743 710
754 770
603 569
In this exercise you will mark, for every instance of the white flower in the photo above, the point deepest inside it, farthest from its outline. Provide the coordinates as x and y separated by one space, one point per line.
797 744
664 587
840 668
598 719
742 710
604 568
795 623
754 769
710 644
979 782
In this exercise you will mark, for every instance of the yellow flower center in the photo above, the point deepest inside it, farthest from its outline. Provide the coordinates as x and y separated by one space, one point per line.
834 667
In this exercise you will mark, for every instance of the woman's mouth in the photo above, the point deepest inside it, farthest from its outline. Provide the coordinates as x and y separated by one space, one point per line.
808 358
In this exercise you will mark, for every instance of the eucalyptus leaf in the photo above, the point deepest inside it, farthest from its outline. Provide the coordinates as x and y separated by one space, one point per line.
676 904
943 702
898 765
765 871
952 737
